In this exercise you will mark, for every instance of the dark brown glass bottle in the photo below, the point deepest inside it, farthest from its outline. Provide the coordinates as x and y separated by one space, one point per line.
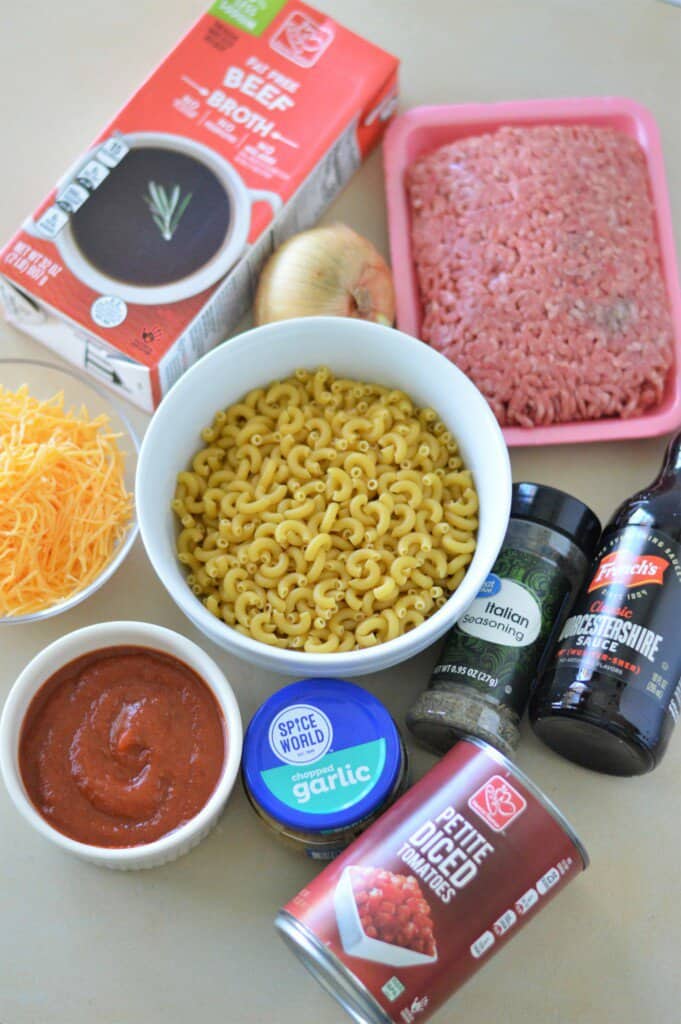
612 692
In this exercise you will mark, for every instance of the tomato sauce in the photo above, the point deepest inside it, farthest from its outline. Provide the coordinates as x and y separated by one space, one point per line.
121 746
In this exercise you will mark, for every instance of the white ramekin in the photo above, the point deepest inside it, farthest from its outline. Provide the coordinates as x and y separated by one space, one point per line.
92 638
350 348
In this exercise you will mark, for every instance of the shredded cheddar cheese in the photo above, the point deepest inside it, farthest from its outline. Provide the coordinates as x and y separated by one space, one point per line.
64 506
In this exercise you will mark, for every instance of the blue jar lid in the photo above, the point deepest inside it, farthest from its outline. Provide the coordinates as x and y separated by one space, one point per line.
321 754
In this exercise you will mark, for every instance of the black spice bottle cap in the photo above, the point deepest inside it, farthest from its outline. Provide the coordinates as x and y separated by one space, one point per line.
558 510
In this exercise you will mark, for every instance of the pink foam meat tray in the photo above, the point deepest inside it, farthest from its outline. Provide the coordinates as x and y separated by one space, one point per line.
423 129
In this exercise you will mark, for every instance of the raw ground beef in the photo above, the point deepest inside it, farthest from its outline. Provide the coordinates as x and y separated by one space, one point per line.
539 271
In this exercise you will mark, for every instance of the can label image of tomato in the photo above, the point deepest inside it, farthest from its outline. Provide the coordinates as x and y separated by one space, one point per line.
404 916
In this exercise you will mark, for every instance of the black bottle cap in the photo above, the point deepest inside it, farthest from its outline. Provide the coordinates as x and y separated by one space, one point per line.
559 511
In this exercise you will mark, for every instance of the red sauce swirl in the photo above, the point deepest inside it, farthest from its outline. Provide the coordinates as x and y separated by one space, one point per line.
121 746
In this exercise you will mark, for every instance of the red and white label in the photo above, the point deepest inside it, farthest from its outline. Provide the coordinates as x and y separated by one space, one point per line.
526 902
273 103
422 899
497 803
301 39
619 568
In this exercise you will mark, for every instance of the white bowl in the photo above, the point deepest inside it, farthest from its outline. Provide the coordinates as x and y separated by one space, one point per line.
351 348
74 645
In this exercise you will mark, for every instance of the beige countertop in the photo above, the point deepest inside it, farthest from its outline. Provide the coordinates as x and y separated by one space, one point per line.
193 941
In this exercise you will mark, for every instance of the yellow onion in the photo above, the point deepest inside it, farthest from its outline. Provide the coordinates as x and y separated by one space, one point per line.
327 271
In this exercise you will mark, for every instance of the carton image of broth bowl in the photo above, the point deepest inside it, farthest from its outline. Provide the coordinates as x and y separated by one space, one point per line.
154 218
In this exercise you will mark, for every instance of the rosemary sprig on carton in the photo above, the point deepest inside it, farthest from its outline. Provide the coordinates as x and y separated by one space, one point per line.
166 207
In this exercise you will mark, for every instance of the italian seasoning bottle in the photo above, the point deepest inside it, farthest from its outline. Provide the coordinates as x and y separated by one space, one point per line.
611 694
481 683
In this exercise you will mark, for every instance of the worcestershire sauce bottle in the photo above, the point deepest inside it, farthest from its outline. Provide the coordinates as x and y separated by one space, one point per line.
612 692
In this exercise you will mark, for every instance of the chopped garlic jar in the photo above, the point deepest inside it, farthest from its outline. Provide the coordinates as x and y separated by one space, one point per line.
322 760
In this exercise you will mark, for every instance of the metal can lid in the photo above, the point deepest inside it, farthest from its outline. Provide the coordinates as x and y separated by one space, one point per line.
559 511
327 969
321 754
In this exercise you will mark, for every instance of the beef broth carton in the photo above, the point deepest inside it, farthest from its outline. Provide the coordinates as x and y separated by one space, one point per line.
146 253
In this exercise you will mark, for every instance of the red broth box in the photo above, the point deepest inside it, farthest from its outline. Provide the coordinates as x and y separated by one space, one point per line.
146 253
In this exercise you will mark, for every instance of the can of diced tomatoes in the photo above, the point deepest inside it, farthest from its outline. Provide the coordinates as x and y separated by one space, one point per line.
404 916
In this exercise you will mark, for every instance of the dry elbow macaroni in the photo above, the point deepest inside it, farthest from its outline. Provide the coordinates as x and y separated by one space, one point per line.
325 514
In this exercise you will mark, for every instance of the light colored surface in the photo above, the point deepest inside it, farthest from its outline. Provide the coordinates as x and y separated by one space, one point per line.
370 352
194 941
